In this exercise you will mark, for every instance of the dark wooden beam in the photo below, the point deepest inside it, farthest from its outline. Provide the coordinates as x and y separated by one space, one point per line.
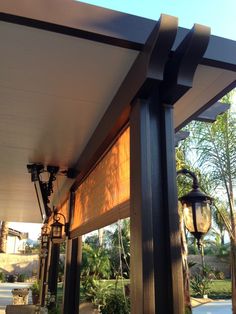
43 278
156 269
210 115
141 215
67 280
156 263
78 272
221 94
106 26
146 71
180 136
182 64
61 29
72 281
53 273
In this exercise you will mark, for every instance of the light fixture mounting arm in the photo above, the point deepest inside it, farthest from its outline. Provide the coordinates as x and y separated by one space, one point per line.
192 175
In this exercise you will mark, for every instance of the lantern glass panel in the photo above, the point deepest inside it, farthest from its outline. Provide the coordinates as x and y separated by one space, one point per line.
188 217
57 231
203 216
44 238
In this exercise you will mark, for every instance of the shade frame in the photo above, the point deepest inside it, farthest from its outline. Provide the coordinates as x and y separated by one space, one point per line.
196 201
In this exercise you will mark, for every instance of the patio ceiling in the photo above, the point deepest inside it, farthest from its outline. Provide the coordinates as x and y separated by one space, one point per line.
55 88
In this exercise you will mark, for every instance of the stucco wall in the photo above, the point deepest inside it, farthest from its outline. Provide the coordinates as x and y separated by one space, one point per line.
217 263
17 263
15 245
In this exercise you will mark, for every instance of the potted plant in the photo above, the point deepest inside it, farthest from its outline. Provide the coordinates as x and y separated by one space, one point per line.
35 289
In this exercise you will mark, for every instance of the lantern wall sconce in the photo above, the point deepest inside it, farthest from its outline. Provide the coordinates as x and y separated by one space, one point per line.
44 184
196 209
44 253
45 236
57 226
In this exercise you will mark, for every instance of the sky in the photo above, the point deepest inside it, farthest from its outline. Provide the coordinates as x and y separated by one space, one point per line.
34 230
218 14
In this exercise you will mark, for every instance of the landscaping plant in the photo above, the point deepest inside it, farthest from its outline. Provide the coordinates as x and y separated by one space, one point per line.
2 277
115 302
201 282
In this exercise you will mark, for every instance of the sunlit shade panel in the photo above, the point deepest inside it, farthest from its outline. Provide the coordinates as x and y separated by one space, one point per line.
107 188
64 209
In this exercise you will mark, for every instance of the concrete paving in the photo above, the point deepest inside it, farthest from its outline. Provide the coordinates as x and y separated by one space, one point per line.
219 307
6 295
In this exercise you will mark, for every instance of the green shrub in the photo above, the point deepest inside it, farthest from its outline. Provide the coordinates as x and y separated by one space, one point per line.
219 275
2 277
201 282
188 310
95 291
108 298
11 278
221 289
55 310
200 285
21 278
35 288
115 302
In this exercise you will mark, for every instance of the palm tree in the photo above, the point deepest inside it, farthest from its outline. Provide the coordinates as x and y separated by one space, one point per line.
183 187
215 149
95 262
3 236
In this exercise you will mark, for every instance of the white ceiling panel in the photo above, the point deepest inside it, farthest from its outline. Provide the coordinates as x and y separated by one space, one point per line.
54 89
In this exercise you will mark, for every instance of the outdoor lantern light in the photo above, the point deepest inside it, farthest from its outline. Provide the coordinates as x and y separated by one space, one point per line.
45 236
57 226
196 209
56 230
44 253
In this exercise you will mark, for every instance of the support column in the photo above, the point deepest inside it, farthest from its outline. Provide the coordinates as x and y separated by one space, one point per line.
72 282
43 279
66 301
53 273
156 269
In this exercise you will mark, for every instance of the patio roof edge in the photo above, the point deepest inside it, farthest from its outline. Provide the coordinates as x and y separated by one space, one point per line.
106 26
207 105
65 30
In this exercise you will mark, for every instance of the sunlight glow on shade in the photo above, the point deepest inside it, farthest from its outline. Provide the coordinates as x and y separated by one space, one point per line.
107 186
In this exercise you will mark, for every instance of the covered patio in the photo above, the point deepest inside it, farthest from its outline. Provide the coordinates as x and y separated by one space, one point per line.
92 100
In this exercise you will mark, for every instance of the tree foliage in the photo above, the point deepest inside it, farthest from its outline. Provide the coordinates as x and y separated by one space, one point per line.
111 258
212 148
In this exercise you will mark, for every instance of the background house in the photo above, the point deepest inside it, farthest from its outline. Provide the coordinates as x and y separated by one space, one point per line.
15 240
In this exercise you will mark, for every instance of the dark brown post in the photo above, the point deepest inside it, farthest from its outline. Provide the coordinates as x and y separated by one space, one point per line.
67 288
43 279
43 272
72 282
156 270
53 273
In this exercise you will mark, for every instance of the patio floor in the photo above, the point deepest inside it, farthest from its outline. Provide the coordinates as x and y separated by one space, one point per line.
6 295
218 307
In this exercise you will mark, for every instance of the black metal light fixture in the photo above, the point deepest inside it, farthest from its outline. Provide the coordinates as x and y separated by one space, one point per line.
45 237
196 209
57 226
44 186
44 253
